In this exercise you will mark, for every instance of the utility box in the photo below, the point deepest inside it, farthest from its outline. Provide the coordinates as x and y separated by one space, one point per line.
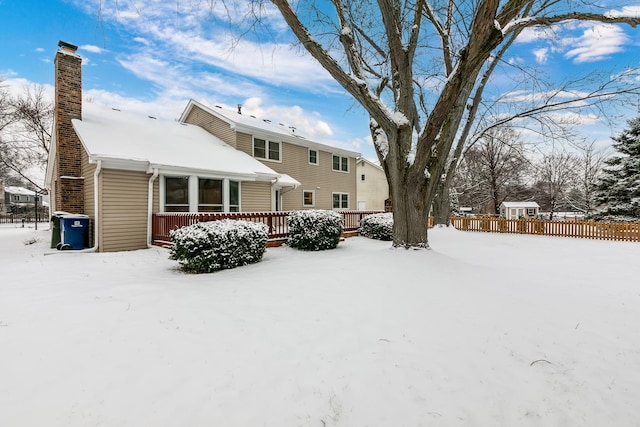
73 231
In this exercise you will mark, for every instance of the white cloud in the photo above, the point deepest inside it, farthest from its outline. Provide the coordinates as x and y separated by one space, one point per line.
184 82
596 43
39 49
305 123
556 96
631 11
534 34
198 34
541 55
91 48
142 40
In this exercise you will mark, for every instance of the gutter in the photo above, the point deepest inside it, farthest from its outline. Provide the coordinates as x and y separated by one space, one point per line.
96 212
150 208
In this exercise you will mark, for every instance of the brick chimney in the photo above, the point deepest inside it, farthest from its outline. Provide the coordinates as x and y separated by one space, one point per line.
69 183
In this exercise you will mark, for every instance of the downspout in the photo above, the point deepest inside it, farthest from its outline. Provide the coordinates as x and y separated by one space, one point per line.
96 205
150 208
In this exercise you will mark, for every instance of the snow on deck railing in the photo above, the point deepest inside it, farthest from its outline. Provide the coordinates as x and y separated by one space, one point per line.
163 223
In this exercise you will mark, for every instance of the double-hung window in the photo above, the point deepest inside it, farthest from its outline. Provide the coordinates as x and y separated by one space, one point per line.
308 198
200 194
340 163
176 194
340 200
234 196
313 157
210 197
265 149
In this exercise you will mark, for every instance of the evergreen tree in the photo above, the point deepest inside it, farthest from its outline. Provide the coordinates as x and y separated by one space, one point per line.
617 192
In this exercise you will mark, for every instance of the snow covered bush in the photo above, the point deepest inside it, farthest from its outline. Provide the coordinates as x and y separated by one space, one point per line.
314 230
377 226
216 245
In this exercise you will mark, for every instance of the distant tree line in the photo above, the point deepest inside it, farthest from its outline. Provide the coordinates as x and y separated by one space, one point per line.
574 177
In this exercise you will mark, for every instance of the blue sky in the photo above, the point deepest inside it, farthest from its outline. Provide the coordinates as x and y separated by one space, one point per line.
155 57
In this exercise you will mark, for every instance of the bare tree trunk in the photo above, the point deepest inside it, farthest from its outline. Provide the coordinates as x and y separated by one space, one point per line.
442 205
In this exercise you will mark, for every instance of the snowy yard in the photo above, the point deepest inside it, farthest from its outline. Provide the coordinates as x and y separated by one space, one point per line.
482 330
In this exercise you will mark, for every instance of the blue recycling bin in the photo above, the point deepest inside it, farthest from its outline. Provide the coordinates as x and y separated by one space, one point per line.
73 229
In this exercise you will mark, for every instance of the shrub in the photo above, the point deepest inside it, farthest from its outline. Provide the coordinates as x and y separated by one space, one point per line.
216 245
314 230
377 226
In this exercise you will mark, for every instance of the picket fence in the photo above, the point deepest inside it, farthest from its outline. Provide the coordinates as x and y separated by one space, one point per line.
629 232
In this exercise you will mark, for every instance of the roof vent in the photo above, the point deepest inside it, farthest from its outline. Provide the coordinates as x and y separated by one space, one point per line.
239 108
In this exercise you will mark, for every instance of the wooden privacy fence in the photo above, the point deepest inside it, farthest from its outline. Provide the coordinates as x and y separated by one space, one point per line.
163 223
571 228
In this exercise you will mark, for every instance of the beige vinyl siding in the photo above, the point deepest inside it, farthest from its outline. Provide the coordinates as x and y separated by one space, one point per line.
319 178
255 196
244 142
123 210
88 170
212 124
156 194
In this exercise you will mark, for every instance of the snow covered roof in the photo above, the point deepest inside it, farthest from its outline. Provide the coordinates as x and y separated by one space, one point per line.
287 181
369 162
520 204
18 190
263 127
137 141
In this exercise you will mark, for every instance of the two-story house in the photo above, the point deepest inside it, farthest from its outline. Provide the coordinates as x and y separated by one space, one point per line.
372 186
121 168
19 199
325 175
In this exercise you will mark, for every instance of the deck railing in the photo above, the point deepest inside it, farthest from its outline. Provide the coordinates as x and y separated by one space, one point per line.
570 228
163 223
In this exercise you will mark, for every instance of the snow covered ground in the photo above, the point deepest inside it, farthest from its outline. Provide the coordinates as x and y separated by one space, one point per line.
482 330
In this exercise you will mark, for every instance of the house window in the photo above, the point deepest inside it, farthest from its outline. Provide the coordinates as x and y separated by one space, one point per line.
313 157
16 198
234 196
308 198
210 197
198 194
265 149
531 211
176 194
362 177
340 163
341 200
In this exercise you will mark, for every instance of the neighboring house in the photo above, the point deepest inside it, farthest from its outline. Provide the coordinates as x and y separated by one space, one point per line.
326 175
372 186
518 210
2 205
19 199
120 168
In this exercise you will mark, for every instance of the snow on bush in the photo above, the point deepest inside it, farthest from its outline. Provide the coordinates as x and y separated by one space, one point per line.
216 245
377 226
314 230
